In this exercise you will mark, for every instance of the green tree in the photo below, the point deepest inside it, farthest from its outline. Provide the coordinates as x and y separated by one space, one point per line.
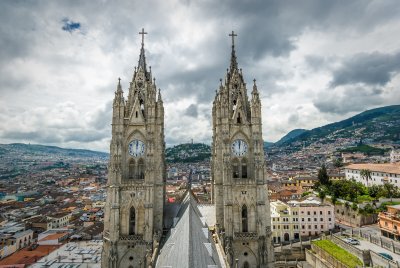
323 175
375 191
365 174
334 199
390 190
322 195
338 162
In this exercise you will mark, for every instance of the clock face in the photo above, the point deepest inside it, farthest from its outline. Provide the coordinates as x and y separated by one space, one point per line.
239 147
136 148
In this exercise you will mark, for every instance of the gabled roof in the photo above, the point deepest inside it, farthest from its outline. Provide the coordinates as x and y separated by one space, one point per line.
188 243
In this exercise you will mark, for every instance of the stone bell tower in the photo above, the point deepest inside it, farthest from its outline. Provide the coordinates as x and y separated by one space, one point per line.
135 189
240 189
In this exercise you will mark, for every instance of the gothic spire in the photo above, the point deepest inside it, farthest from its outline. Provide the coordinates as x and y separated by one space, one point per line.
233 54
142 57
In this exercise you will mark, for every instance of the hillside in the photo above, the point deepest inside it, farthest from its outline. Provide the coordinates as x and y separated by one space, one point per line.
188 152
44 150
376 125
291 135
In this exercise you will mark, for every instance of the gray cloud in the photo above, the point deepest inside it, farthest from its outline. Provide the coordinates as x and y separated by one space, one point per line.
351 99
371 69
191 110
189 48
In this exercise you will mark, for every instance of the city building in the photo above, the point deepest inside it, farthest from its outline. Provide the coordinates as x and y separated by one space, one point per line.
394 156
380 173
389 222
314 217
285 222
296 219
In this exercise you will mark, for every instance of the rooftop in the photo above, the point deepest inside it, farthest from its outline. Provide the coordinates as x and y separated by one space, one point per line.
387 167
83 254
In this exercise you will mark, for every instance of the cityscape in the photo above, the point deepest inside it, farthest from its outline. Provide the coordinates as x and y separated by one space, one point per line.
150 134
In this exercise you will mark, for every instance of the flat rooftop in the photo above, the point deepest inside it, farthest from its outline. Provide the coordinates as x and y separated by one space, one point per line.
82 254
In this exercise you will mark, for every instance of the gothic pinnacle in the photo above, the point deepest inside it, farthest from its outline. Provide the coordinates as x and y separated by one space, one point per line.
233 54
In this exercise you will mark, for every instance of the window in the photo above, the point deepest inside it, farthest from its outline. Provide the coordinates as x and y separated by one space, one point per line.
244 219
315 219
131 169
321 219
244 169
308 212
235 168
303 227
132 221
329 212
302 219
322 227
315 226
329 219
320 212
309 219
140 174
309 227
315 213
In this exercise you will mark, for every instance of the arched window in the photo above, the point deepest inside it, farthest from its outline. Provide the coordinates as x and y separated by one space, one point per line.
235 168
244 169
246 265
132 221
244 219
239 119
140 169
131 169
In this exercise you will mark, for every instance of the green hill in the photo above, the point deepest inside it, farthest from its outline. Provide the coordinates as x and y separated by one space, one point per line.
375 125
188 152
291 135
37 149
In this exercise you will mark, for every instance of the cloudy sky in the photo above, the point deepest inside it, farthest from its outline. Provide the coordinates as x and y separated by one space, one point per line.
315 62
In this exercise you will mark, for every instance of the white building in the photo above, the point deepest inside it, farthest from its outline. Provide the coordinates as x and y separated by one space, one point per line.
300 219
380 173
394 156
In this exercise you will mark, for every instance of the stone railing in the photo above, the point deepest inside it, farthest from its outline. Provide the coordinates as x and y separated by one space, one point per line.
132 238
245 235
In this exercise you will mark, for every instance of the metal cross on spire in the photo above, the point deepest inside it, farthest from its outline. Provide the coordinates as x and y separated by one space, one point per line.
233 38
142 33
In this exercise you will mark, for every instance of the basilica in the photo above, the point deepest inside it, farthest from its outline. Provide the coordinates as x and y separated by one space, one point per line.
140 229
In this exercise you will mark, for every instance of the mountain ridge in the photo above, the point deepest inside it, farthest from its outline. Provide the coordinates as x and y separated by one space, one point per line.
378 124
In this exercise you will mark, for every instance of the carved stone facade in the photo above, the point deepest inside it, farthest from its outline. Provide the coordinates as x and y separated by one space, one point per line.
239 184
133 219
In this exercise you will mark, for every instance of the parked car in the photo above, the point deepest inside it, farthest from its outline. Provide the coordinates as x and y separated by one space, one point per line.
386 256
351 241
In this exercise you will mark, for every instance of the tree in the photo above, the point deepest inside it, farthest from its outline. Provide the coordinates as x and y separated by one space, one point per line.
334 199
390 190
323 175
322 195
338 162
375 191
366 174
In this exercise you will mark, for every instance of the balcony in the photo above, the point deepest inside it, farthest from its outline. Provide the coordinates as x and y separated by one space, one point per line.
245 235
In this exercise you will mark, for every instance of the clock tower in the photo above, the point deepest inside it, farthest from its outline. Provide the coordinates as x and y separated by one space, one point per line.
133 219
239 182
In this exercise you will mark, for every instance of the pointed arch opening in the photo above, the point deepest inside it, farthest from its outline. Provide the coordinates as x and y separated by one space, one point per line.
246 265
132 221
244 168
239 119
245 226
140 173
131 171
235 168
